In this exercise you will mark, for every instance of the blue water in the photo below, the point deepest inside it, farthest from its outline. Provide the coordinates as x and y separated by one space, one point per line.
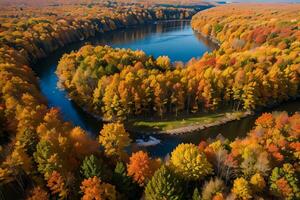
180 43
174 39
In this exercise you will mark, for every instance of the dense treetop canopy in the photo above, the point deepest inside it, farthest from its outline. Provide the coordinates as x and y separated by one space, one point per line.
45 157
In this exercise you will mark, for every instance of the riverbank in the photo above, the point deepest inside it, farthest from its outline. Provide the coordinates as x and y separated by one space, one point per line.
209 37
193 123
184 125
100 25
212 39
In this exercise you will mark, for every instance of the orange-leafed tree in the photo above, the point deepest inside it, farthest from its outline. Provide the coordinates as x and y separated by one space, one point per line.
83 145
141 167
265 120
56 184
38 193
94 189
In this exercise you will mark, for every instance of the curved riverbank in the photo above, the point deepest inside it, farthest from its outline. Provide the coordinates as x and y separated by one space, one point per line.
212 39
90 27
195 127
228 117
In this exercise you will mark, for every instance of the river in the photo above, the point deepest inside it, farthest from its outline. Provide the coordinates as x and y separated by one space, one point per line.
175 39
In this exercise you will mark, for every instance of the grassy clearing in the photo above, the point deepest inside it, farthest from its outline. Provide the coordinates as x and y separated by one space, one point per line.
171 123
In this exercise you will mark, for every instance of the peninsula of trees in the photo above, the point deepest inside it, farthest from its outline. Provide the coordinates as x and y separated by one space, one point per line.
256 65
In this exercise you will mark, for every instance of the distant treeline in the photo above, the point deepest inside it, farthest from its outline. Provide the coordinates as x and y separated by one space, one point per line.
50 28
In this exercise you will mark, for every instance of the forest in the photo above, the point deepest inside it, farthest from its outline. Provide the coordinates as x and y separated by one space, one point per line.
49 28
42 156
258 66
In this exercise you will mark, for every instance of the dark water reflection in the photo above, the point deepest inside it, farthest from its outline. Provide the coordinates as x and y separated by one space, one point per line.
175 39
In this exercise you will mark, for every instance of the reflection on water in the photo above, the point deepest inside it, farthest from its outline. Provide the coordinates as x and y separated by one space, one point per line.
175 39
179 44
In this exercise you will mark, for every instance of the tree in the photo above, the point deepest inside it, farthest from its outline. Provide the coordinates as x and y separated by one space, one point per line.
53 125
38 194
29 139
196 194
265 120
92 166
124 183
94 189
255 160
160 98
19 159
212 188
141 168
258 182
189 163
163 62
241 189
164 185
56 184
46 158
82 144
111 108
284 182
177 98
114 138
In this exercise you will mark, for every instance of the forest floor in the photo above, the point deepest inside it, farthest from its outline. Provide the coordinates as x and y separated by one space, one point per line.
183 124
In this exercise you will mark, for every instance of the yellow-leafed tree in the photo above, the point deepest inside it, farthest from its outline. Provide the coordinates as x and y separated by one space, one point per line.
241 189
188 162
114 138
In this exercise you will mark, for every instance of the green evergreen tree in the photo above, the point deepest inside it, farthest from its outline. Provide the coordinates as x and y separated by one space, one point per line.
44 151
164 185
93 166
196 194
126 186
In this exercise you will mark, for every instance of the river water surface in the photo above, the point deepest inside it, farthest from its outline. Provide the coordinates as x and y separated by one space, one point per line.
175 39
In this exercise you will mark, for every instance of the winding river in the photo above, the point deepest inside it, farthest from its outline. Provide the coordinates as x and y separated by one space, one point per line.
175 39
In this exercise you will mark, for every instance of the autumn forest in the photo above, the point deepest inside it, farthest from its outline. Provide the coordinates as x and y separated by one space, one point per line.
254 68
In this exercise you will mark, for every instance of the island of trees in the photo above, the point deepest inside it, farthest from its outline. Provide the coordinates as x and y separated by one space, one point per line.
45 157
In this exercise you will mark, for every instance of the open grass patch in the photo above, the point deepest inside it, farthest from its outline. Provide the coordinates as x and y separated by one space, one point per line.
172 122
